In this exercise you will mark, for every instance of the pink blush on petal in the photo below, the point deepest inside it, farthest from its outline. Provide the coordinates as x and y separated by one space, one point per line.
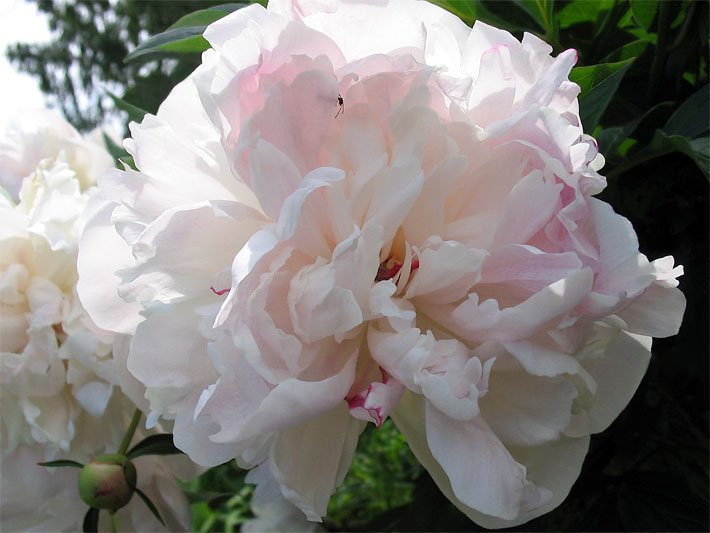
375 403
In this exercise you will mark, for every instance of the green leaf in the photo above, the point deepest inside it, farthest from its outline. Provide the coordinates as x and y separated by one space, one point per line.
209 497
135 113
644 12
661 144
539 11
463 9
205 17
154 445
149 504
91 521
644 35
581 11
118 153
470 12
627 51
691 118
697 149
178 40
61 463
202 17
589 77
185 36
610 139
682 133
598 84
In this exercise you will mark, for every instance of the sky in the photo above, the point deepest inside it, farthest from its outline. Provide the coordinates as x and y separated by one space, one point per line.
19 22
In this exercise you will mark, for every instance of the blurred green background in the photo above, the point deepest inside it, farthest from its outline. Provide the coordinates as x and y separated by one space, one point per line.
648 107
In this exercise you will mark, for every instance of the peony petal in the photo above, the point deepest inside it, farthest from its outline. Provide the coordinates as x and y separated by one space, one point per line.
482 473
446 271
541 361
394 194
616 236
320 309
273 512
101 253
179 253
170 341
555 466
618 374
376 402
408 417
192 435
525 410
491 97
545 87
327 444
524 264
529 206
658 312
292 209
289 403
487 321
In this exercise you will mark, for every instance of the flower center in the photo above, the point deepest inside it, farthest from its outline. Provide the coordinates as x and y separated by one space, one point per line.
399 264
60 333
388 269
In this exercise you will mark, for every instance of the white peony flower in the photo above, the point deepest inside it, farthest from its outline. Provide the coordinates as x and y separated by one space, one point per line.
63 380
36 134
57 370
359 209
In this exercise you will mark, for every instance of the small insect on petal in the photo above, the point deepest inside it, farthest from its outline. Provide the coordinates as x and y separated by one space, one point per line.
341 106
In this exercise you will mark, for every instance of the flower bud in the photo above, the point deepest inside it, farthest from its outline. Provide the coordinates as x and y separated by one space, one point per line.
108 481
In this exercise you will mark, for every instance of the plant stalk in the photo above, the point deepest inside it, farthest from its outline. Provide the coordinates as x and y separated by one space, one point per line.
123 448
659 58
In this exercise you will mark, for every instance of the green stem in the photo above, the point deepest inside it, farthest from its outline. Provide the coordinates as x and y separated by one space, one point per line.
659 58
684 28
114 522
129 432
548 22
611 18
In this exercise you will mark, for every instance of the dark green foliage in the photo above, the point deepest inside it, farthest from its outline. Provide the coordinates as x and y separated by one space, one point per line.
91 521
381 478
150 505
598 84
161 444
220 499
61 463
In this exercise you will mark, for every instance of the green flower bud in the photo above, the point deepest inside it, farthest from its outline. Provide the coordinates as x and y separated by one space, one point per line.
108 481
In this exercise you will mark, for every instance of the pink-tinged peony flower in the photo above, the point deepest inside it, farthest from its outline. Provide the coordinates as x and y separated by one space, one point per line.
354 210
64 385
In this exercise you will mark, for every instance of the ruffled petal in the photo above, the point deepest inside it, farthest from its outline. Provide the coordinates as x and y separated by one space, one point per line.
101 253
